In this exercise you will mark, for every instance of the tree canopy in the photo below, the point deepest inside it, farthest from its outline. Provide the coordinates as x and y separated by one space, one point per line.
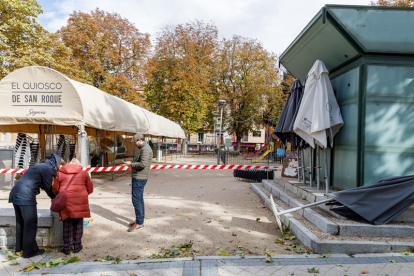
110 50
393 3
248 78
24 42
180 85
183 74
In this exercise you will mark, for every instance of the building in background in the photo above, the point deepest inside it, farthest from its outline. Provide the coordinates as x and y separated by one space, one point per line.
251 141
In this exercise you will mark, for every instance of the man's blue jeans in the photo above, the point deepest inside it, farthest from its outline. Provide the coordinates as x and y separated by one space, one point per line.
138 199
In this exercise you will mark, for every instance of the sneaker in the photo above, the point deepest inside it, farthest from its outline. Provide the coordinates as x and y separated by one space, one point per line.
66 252
131 223
77 250
136 227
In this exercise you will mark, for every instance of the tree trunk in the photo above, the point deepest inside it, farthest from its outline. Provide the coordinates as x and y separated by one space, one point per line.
238 140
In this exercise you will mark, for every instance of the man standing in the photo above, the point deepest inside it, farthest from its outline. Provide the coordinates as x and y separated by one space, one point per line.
140 167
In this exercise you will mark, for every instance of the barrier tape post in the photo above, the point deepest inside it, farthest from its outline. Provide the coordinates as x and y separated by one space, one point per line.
165 167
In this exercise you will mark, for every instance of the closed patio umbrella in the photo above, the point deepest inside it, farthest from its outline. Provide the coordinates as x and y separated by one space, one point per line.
284 127
319 111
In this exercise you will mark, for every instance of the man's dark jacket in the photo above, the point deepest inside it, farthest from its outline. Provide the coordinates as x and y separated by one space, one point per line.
36 178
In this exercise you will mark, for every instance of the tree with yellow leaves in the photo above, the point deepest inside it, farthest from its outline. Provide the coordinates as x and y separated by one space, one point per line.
393 3
110 50
24 42
248 78
180 84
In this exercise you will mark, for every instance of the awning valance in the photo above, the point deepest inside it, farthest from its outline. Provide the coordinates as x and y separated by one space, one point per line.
40 95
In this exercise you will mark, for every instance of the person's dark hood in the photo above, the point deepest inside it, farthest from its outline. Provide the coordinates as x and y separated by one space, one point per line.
53 160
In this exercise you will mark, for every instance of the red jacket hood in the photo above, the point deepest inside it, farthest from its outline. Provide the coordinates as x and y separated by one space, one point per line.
70 169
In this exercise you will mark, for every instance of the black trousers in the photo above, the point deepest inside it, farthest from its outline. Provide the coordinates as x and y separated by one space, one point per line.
26 229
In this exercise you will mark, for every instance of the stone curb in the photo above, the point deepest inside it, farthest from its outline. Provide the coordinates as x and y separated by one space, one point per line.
342 246
157 260
309 240
402 246
217 257
373 255
258 191
395 231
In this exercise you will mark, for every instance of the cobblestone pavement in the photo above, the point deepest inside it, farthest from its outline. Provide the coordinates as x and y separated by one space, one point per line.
391 264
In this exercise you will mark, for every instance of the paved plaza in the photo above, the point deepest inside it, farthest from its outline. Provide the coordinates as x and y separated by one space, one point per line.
389 264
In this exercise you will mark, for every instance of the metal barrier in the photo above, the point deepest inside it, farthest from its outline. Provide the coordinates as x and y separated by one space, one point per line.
233 157
223 156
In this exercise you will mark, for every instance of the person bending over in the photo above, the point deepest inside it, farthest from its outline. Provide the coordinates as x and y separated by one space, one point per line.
23 197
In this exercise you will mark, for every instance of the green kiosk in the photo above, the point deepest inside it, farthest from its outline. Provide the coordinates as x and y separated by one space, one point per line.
369 52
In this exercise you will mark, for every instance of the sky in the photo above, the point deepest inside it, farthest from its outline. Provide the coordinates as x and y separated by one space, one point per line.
275 23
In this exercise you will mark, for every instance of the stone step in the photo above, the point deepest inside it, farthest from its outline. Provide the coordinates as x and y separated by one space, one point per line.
312 195
342 229
307 193
309 240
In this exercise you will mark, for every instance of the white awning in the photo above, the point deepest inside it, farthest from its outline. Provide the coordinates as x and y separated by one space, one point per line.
40 95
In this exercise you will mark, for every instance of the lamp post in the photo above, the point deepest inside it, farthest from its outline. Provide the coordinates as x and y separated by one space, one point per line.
222 103
214 135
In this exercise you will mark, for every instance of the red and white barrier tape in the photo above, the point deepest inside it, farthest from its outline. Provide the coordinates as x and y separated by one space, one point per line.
163 167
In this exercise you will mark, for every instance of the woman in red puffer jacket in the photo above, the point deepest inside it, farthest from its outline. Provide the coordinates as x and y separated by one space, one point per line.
77 204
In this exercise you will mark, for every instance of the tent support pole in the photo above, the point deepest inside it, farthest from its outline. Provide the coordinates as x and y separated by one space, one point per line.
113 173
158 153
181 146
303 165
176 151
318 184
172 145
326 171
165 149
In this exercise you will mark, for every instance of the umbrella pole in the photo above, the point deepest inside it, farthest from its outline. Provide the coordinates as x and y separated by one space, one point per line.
310 169
318 184
326 160
278 214
331 137
326 171
303 165
298 165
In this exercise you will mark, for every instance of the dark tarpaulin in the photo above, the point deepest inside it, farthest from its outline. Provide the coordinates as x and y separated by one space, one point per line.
378 203
284 127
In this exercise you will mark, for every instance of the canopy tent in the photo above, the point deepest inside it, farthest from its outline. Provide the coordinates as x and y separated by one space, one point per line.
40 95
